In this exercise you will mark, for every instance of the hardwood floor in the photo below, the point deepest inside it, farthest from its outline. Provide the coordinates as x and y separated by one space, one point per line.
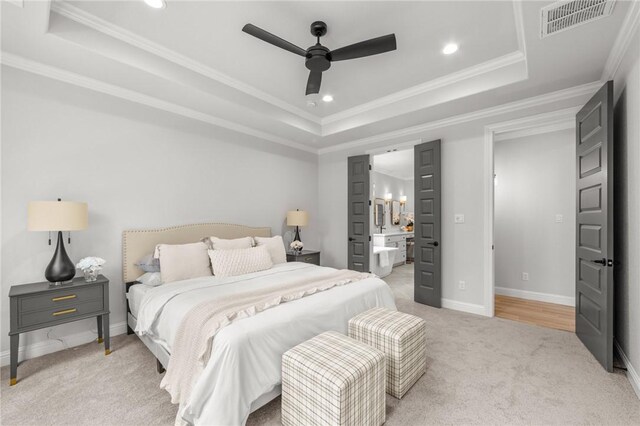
544 314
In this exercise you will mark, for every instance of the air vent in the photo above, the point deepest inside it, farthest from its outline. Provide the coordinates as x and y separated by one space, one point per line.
563 15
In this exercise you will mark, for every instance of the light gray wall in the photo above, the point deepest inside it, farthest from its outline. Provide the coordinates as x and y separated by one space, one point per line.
627 205
136 168
535 182
382 184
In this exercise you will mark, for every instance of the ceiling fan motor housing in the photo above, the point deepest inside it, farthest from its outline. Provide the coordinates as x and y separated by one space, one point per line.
318 58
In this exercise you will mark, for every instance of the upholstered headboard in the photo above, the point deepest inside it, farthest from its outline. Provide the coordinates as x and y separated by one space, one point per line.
137 243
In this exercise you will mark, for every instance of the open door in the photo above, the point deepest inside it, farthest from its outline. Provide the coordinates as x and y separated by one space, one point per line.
427 249
358 214
594 233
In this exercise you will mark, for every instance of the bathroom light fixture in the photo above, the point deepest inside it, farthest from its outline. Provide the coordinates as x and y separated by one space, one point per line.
403 200
156 4
388 197
450 48
327 98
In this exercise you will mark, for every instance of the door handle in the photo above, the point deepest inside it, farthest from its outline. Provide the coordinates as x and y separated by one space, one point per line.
434 243
602 262
351 239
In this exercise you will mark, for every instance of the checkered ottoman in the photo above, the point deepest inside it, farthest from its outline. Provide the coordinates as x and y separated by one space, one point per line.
332 379
402 338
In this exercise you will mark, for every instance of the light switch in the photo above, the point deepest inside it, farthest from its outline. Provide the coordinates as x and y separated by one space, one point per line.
459 218
559 218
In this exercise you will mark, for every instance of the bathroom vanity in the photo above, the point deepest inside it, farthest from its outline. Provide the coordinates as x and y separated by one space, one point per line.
396 240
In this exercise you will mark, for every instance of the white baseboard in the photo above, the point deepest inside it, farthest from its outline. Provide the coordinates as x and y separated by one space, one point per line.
51 345
464 307
632 374
534 295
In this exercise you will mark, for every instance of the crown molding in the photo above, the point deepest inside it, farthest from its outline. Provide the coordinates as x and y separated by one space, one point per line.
539 124
54 73
585 89
622 42
538 130
438 83
80 16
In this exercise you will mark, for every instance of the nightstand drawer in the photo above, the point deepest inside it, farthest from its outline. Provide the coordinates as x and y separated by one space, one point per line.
29 319
60 298
312 257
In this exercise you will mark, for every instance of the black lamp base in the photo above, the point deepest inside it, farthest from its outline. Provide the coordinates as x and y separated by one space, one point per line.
61 268
297 236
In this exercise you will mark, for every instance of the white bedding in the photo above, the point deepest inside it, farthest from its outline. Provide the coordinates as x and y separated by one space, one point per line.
246 356
135 295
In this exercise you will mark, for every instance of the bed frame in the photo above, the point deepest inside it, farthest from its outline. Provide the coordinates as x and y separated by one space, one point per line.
137 243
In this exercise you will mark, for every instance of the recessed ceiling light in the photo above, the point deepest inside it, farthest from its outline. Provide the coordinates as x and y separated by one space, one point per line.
327 98
311 104
156 4
450 48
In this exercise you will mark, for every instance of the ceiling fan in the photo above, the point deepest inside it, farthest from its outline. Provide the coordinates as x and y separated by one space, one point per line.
318 57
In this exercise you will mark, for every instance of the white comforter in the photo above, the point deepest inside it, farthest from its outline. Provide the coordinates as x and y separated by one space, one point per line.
246 356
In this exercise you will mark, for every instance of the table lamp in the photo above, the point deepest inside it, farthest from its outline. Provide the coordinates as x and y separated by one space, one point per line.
58 216
297 218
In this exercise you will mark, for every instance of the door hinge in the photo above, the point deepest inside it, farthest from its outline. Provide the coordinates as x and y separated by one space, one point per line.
369 202
369 237
369 166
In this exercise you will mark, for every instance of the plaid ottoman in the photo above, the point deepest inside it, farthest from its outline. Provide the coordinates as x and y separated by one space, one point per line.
332 379
402 338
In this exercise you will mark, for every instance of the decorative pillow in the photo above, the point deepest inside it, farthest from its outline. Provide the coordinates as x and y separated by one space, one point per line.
152 279
183 261
216 243
149 263
275 245
229 263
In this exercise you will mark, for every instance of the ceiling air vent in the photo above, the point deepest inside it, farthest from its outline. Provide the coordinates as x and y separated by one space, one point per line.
563 15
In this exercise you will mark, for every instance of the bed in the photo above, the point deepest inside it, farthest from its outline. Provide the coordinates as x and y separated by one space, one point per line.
243 369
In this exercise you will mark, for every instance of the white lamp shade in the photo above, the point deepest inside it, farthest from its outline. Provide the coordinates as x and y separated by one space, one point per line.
388 196
57 216
297 218
403 198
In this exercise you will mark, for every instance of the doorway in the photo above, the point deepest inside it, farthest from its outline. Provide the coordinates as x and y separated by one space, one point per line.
392 233
534 227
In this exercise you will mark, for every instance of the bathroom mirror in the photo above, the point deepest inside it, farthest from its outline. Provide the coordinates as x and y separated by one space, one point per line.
378 212
395 212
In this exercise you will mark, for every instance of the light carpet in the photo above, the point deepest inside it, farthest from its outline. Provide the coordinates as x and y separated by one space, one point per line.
480 371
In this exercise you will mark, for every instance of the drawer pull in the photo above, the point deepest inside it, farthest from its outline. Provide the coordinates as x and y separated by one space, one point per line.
66 311
307 259
57 299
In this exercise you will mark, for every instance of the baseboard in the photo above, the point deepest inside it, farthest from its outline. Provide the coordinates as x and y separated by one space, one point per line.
464 307
632 374
534 295
51 345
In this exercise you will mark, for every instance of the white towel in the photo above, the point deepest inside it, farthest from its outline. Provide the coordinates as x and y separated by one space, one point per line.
384 258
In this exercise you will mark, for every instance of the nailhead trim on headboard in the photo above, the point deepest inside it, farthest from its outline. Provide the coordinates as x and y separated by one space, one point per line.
225 230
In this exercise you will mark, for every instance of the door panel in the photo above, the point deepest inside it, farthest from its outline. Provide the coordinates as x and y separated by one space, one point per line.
427 251
594 225
358 213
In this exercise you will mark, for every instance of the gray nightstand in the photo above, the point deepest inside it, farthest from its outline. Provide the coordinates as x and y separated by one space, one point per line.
41 305
306 256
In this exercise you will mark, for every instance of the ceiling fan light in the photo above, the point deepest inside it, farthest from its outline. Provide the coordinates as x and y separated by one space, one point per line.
327 98
156 4
450 48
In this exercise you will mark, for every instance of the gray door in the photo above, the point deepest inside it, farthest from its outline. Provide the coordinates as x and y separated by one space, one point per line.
427 250
358 215
594 226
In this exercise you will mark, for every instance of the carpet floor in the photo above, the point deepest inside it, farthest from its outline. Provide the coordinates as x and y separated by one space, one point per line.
480 371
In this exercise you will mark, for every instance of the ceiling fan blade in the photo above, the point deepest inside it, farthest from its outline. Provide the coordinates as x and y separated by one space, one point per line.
273 39
313 83
369 47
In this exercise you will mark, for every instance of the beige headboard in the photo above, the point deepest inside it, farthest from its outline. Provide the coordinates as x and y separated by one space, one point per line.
137 243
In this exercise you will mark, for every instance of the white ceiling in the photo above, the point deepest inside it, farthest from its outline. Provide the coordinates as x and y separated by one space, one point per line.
398 164
192 59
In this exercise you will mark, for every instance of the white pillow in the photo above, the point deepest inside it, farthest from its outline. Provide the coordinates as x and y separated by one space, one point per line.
229 263
275 245
216 243
152 279
183 261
